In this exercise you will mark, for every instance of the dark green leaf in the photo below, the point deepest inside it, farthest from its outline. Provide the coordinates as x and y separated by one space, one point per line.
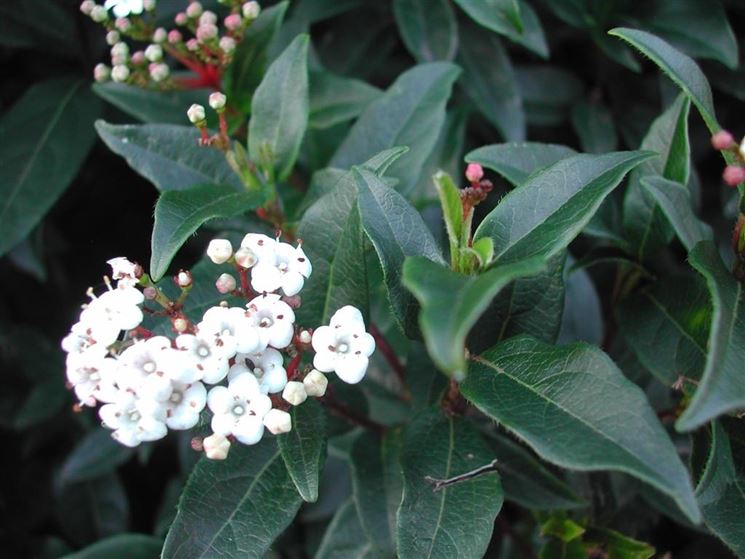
516 161
410 113
131 546
39 24
548 93
425 382
452 211
561 198
452 303
304 448
455 522
313 11
151 105
168 155
616 545
235 507
428 28
97 454
179 213
576 409
721 388
675 202
396 230
279 110
344 537
336 99
37 159
582 320
594 125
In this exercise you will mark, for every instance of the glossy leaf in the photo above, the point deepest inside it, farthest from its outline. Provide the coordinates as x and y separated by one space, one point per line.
279 111
132 546
304 448
456 521
575 408
562 197
37 159
250 498
721 388
95 455
516 161
396 230
452 303
336 99
168 155
151 105
595 127
344 537
410 113
427 28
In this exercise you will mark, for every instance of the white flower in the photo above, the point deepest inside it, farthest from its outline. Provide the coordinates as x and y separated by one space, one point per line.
83 337
196 114
239 409
147 368
261 245
124 270
185 404
278 422
266 366
315 383
93 376
216 447
294 393
288 270
231 328
274 320
134 420
116 308
343 346
219 250
123 8
207 358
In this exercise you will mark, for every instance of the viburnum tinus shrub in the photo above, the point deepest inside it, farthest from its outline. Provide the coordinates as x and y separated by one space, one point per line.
411 333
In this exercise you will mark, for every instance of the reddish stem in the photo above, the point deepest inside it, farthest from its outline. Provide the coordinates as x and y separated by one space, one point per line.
388 353
140 332
292 367
224 128
245 288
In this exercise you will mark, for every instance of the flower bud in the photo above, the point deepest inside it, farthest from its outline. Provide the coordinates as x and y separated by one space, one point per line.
217 101
138 58
233 22
278 422
216 447
245 257
733 175
294 393
180 18
180 325
174 36
123 24
722 140
206 31
474 172
120 73
196 115
208 18
183 278
192 45
154 53
101 73
86 7
315 383
741 149
194 10
219 251
225 284
227 44
304 337
112 38
159 72
150 293
160 35
251 10
99 14
149 5
120 49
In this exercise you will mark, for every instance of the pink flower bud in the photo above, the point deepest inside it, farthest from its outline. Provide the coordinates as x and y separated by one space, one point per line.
233 22
227 44
733 175
722 140
86 7
174 36
194 10
474 172
101 73
138 58
150 293
159 71
225 283
160 35
180 19
123 24
192 45
206 31
149 5
208 17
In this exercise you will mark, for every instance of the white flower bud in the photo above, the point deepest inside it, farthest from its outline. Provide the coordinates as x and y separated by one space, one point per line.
194 10
160 35
278 422
120 73
149 5
216 447
206 32
245 257
180 325
251 10
154 53
217 100
120 49
87 6
99 14
294 393
741 149
208 18
219 250
123 24
305 337
227 44
112 38
225 284
315 383
196 114
101 73
183 279
159 72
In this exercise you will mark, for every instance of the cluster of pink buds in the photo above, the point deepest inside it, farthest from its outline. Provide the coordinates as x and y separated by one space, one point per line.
478 188
243 363
734 173
197 41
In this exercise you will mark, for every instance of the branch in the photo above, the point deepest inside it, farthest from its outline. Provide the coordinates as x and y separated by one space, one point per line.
441 483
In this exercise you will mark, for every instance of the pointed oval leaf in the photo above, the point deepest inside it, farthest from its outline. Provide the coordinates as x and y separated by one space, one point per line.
428 28
336 99
234 508
345 538
562 199
576 409
94 456
516 161
152 105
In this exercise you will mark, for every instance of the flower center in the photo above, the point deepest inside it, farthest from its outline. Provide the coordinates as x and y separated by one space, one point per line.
258 372
134 416
238 410
266 322
149 367
227 332
282 267
203 351
176 397
342 348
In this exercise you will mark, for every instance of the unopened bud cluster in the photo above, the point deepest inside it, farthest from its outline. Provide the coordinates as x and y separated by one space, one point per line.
232 362
197 40
734 173
478 188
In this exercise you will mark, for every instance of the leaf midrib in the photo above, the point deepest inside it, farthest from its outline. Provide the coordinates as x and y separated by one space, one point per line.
675 323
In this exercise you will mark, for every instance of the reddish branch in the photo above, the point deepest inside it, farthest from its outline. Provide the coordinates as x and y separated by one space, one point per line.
388 353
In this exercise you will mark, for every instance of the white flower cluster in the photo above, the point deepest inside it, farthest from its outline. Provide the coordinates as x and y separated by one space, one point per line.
151 383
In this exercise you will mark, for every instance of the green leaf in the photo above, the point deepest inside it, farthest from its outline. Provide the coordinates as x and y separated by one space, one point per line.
452 211
489 80
234 508
514 19
674 200
721 492
667 327
37 159
575 408
179 213
250 59
396 230
422 377
516 161
151 105
455 522
344 537
561 198
616 545
131 546
97 454
452 303
548 93
721 388
168 155
594 125
377 486
428 28
561 527
410 113
279 111
39 24
645 225
304 448
336 99
680 68
582 319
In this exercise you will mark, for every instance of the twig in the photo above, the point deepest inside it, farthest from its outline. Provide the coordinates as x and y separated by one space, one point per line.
440 483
